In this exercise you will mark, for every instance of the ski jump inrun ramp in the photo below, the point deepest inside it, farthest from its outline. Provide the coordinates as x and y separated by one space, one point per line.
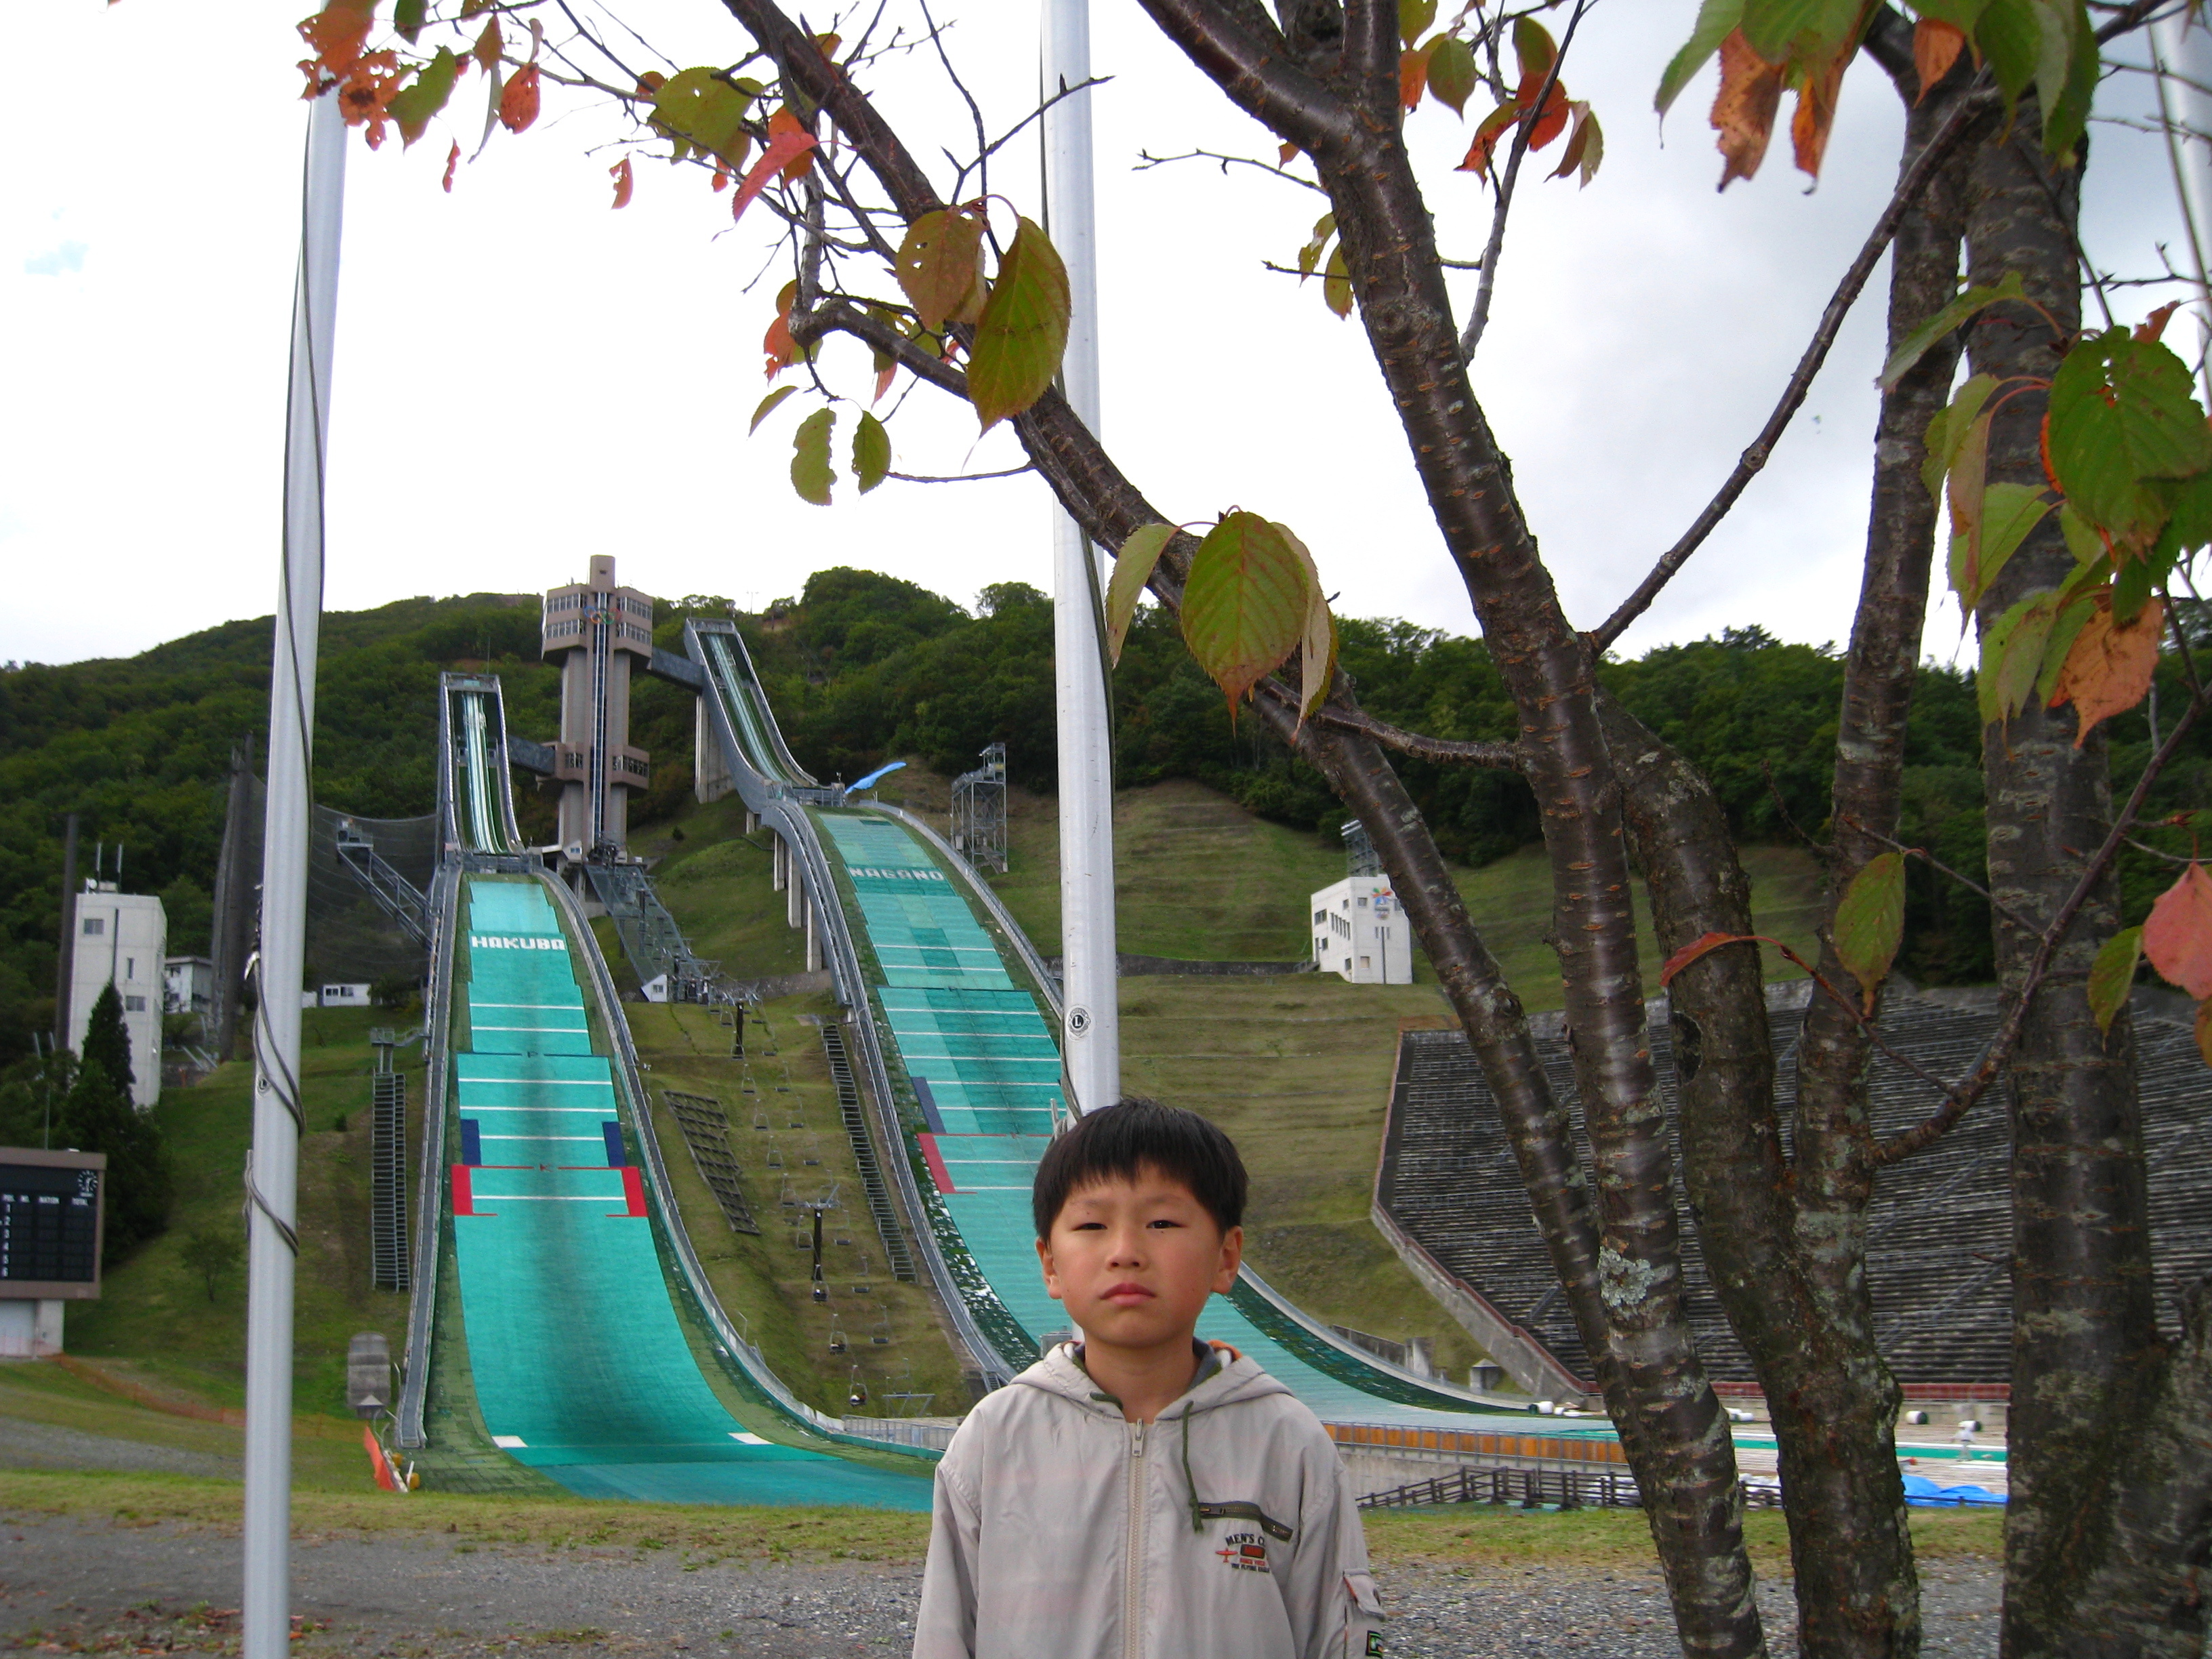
553 1279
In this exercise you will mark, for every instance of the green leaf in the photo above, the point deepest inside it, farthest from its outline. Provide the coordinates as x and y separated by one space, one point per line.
1950 428
2083 540
2122 416
695 105
1810 30
872 451
2065 73
2012 657
1960 15
1716 21
1024 329
1452 72
1923 339
768 406
1336 283
1244 608
939 263
1415 17
1870 921
1534 49
1132 568
2073 614
2112 975
408 17
414 104
2189 500
2010 511
2011 38
1317 639
810 471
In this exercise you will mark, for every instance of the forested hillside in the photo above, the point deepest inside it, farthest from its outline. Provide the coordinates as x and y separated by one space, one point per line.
864 668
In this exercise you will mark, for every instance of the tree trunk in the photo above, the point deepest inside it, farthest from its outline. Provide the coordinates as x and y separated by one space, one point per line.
2087 1359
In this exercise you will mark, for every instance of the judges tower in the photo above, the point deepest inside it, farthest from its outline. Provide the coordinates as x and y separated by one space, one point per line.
593 630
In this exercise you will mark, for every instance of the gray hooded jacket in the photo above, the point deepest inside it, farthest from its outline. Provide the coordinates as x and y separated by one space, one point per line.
1223 1531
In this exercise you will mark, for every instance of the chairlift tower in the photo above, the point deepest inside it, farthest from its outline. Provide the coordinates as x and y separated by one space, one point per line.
979 812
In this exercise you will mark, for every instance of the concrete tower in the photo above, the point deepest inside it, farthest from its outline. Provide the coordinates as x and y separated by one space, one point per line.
593 630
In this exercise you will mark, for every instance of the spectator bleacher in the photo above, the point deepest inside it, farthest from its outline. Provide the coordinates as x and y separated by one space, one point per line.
1939 1230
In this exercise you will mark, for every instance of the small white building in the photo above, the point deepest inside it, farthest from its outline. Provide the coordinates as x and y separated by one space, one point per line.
1361 934
188 985
348 993
121 941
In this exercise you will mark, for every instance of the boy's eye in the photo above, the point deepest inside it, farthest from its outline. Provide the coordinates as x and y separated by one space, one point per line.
1163 1221
1087 1226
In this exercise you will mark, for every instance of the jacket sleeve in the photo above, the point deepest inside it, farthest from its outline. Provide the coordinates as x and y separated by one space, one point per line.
944 1623
1328 1592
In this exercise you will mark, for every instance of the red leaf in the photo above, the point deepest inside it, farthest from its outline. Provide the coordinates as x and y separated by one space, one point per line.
1703 945
2149 330
621 174
1486 136
1412 77
1287 153
781 149
783 124
2177 936
883 378
722 176
1552 120
1744 109
518 100
2108 668
1816 114
1936 47
782 350
339 32
452 160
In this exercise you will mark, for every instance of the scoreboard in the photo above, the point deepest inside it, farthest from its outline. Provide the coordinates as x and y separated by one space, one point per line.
50 1212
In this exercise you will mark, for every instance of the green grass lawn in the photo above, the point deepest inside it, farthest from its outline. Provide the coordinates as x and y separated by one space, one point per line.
719 886
156 1312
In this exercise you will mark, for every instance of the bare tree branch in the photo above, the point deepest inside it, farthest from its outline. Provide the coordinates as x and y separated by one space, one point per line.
1753 460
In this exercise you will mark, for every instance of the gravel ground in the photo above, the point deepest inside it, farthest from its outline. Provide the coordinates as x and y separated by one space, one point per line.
47 1446
115 1587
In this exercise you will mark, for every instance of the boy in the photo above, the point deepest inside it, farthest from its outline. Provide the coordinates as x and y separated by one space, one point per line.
1140 1494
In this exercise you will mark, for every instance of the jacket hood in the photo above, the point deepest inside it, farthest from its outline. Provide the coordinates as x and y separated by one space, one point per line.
1228 1378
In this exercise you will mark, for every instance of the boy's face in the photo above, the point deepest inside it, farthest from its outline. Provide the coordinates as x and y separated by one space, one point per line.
1135 1260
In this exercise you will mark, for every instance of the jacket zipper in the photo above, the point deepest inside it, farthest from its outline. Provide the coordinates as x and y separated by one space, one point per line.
1133 1639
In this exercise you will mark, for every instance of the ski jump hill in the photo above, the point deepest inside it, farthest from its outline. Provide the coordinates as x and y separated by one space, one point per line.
560 1316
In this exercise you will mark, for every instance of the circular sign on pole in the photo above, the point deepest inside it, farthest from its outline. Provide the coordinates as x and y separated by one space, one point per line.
1078 1021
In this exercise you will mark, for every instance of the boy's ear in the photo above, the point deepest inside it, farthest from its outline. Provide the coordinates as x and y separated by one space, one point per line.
1051 1277
1233 1257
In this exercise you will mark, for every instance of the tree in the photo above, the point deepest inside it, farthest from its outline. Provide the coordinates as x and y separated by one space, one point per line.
948 286
97 1116
211 1253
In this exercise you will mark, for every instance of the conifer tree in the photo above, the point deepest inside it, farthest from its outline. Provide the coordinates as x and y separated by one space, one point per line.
97 1116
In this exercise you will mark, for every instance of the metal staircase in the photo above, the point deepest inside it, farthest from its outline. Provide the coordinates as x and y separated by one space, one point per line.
395 896
864 1153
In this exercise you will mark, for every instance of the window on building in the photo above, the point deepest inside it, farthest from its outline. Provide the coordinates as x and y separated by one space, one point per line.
129 967
95 927
134 1004
1365 962
1362 904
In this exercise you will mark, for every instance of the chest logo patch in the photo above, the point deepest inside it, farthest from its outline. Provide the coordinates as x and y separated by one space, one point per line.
1244 1551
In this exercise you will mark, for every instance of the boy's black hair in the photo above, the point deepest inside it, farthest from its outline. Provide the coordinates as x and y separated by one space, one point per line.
1135 1133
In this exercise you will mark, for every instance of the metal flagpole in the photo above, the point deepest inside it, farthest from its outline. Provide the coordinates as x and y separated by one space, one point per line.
1091 1035
272 1168
2182 56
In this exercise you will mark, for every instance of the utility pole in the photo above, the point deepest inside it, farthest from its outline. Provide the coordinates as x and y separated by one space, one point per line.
1090 1017
272 1168
65 969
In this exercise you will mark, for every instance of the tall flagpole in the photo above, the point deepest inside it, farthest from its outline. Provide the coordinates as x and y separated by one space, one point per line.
272 1168
1090 1022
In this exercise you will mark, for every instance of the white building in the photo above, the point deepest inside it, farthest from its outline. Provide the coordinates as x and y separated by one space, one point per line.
188 985
1359 932
350 994
121 939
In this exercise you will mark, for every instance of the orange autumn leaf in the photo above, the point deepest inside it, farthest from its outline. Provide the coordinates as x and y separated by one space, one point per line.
452 160
722 176
1494 126
1816 115
1552 120
490 47
338 33
782 350
2177 935
1744 109
1412 77
2108 669
518 100
620 173
365 95
1936 47
785 131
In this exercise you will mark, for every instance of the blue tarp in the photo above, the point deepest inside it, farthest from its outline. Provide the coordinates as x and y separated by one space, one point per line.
1920 1492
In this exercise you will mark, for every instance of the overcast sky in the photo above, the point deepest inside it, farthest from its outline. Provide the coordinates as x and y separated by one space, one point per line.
525 378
